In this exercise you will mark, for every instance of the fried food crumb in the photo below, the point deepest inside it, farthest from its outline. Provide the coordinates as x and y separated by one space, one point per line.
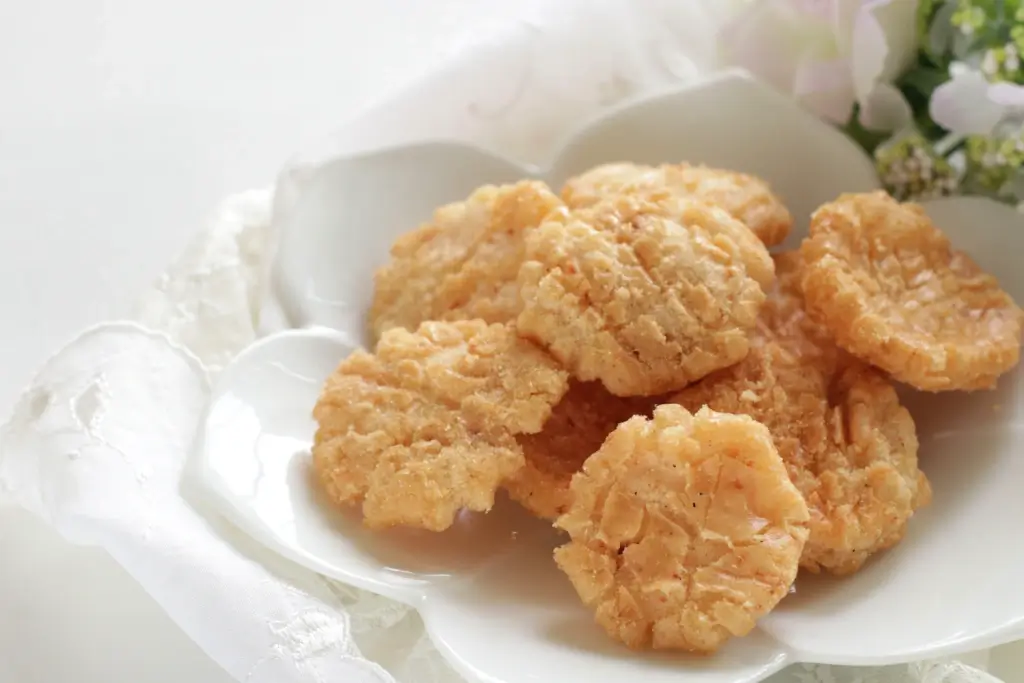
645 297
685 530
426 426
745 197
848 444
893 291
463 264
578 426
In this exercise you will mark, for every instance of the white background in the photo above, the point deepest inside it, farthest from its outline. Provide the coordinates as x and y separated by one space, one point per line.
122 123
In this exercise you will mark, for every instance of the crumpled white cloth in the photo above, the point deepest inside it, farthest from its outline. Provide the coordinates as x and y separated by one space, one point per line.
98 443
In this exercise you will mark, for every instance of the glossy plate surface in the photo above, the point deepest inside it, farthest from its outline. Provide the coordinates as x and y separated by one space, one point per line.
487 589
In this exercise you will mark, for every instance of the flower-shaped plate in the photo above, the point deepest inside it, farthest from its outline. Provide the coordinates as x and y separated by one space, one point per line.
487 589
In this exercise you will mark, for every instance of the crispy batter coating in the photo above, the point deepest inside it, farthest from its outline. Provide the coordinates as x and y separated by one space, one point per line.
685 530
784 317
427 425
874 449
848 444
746 197
645 297
893 291
463 264
578 426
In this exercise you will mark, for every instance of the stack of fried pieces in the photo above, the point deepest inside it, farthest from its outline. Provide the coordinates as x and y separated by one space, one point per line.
701 417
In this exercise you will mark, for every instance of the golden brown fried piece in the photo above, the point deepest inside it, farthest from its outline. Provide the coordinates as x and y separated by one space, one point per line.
645 297
578 426
462 265
868 484
848 444
745 197
784 317
893 291
427 425
685 530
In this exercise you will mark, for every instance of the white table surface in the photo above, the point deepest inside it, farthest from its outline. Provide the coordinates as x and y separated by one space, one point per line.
122 122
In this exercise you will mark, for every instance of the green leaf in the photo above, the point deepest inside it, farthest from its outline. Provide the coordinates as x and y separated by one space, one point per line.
926 10
868 139
923 79
928 128
992 35
939 33
917 85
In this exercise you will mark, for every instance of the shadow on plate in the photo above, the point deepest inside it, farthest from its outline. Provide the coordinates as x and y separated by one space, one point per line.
957 474
525 575
943 413
578 631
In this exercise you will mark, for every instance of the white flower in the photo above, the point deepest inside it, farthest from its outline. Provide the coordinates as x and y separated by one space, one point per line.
968 104
990 65
830 54
1012 60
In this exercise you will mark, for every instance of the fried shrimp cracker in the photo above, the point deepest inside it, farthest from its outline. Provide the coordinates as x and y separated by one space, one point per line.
745 197
893 291
685 529
427 424
868 484
463 264
785 321
849 446
645 297
578 426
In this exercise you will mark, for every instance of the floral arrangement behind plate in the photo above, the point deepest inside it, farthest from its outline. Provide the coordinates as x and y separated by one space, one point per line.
933 89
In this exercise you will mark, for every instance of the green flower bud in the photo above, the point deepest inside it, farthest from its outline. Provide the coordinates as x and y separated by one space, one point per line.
911 169
993 161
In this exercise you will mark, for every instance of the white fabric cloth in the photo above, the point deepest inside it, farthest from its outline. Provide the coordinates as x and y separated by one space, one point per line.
97 445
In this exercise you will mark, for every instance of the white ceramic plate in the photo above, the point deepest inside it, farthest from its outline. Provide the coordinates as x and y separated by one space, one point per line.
487 589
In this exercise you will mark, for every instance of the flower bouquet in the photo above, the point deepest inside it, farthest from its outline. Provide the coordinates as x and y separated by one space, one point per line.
933 89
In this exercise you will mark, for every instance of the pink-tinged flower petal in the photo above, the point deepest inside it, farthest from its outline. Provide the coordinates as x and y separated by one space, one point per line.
825 88
762 41
898 19
883 42
771 38
868 51
1007 95
885 109
822 10
845 18
814 75
726 9
962 104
